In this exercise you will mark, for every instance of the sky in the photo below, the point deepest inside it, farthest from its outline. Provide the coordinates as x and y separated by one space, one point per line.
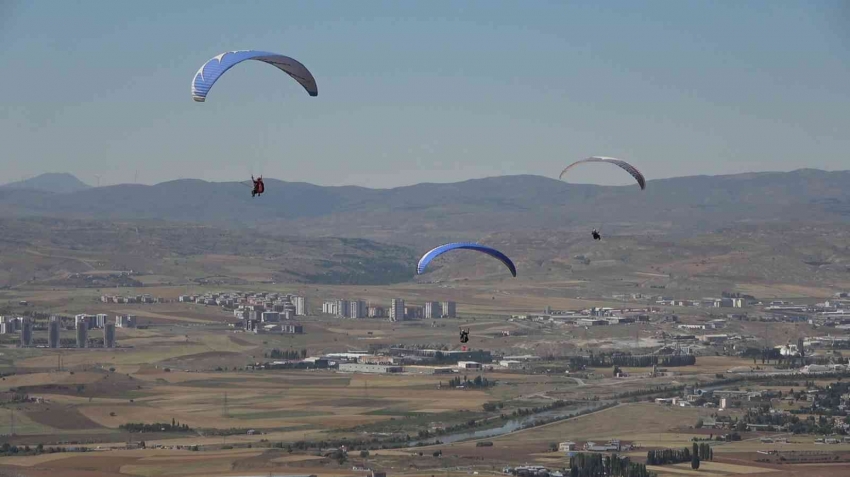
427 91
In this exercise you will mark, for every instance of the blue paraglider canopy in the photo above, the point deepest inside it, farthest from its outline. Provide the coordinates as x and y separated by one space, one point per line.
426 259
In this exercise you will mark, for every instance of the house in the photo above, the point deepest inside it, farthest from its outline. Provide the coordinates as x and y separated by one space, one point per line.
566 446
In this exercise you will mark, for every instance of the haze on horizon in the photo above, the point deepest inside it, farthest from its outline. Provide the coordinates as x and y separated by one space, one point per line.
424 92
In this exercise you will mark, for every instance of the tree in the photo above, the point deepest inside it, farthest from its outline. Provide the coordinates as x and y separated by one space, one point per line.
695 462
699 424
364 454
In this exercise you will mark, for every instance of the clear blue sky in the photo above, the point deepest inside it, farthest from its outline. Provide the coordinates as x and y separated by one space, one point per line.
427 91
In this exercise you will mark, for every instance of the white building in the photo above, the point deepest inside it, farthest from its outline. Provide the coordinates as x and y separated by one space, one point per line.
448 309
125 321
300 305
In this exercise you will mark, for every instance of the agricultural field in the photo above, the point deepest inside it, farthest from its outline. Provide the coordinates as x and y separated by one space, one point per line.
191 365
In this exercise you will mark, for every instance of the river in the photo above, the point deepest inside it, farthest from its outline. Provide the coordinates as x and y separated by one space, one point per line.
510 425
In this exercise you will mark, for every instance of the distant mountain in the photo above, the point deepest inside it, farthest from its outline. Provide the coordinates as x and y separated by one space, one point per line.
56 182
427 213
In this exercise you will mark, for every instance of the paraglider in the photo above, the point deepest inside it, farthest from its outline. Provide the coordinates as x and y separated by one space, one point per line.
259 187
622 164
464 335
426 259
596 235
212 70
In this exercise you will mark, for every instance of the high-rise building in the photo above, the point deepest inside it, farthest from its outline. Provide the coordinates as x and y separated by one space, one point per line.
82 333
358 309
343 309
376 312
433 309
26 332
53 327
448 309
300 305
109 335
397 309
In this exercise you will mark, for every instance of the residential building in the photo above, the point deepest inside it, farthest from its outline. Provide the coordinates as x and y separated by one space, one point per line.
357 309
433 310
566 446
109 335
300 305
448 309
82 333
26 332
343 309
270 317
100 320
125 321
292 328
397 309
376 312
413 312
53 328
329 307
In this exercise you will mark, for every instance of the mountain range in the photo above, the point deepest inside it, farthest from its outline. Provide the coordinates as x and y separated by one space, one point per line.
462 210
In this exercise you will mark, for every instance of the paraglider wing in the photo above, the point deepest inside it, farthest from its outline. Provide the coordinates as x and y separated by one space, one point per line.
212 70
623 164
426 259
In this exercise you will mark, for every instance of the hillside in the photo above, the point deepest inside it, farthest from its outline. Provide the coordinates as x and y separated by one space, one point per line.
75 252
692 233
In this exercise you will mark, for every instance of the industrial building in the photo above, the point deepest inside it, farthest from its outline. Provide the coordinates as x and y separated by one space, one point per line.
369 368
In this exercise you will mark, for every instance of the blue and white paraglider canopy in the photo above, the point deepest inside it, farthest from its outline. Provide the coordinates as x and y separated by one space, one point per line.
212 70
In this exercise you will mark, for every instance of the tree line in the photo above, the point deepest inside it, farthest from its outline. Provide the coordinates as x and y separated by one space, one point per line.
625 360
155 427
286 354
597 465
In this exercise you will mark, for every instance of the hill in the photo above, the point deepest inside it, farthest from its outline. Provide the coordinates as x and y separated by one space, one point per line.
50 182
710 233
52 252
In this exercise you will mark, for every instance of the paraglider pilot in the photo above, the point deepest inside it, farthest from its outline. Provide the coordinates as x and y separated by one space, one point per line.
596 235
464 335
259 187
